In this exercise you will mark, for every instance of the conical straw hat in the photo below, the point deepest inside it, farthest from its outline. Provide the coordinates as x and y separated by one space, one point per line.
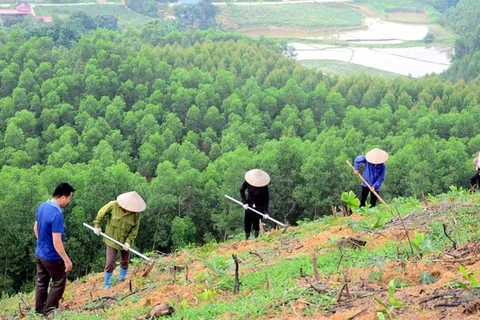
131 201
376 156
257 178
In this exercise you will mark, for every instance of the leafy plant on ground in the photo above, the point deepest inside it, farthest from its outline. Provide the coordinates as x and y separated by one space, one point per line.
457 193
217 264
427 278
351 200
376 263
472 281
388 308
424 243
206 294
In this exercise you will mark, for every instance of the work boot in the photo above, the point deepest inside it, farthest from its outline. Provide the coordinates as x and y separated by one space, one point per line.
108 279
123 274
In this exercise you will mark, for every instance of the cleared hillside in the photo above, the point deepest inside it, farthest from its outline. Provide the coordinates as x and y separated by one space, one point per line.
408 268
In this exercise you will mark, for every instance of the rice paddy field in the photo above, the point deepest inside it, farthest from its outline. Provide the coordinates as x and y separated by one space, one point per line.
294 16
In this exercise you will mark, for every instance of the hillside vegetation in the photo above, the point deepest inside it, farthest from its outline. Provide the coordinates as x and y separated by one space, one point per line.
419 260
181 116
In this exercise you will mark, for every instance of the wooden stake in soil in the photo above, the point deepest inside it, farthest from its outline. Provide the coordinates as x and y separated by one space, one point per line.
339 295
314 264
237 282
268 282
446 234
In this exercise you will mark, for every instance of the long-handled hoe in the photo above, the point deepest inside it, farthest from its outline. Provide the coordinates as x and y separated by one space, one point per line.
151 261
369 186
259 213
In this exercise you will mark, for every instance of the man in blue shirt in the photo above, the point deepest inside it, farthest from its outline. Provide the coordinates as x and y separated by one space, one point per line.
53 262
374 173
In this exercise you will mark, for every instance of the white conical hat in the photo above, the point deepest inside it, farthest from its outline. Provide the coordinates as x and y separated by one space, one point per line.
257 178
131 201
376 156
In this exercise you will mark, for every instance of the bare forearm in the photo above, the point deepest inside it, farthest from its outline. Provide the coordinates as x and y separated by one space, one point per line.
58 244
60 249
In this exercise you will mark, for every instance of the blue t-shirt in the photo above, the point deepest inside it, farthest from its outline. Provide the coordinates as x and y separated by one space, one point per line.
49 220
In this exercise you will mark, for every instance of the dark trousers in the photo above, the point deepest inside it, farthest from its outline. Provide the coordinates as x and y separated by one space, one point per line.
251 221
112 256
474 179
364 195
46 271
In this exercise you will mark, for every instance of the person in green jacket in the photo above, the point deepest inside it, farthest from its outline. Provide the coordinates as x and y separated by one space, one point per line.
123 222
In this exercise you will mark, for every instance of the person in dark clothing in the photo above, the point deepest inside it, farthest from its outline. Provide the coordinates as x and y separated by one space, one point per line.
476 177
53 262
374 173
256 184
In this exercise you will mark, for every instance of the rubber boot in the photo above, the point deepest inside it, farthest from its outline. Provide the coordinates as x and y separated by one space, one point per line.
123 274
108 279
247 235
255 233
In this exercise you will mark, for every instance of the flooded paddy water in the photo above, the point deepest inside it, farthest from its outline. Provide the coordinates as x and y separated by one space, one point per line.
408 61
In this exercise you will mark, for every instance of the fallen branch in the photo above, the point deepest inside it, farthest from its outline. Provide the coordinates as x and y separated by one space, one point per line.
351 242
101 306
454 304
237 282
130 294
433 297
286 301
255 253
352 293
289 300
357 314
455 260
163 254
320 290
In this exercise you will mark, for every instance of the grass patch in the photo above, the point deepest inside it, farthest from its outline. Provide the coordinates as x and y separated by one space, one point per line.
299 16
408 17
380 6
126 18
345 69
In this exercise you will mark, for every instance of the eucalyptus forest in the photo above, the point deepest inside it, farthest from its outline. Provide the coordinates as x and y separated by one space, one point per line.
179 115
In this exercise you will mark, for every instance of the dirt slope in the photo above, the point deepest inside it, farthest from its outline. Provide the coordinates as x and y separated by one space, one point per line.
355 300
